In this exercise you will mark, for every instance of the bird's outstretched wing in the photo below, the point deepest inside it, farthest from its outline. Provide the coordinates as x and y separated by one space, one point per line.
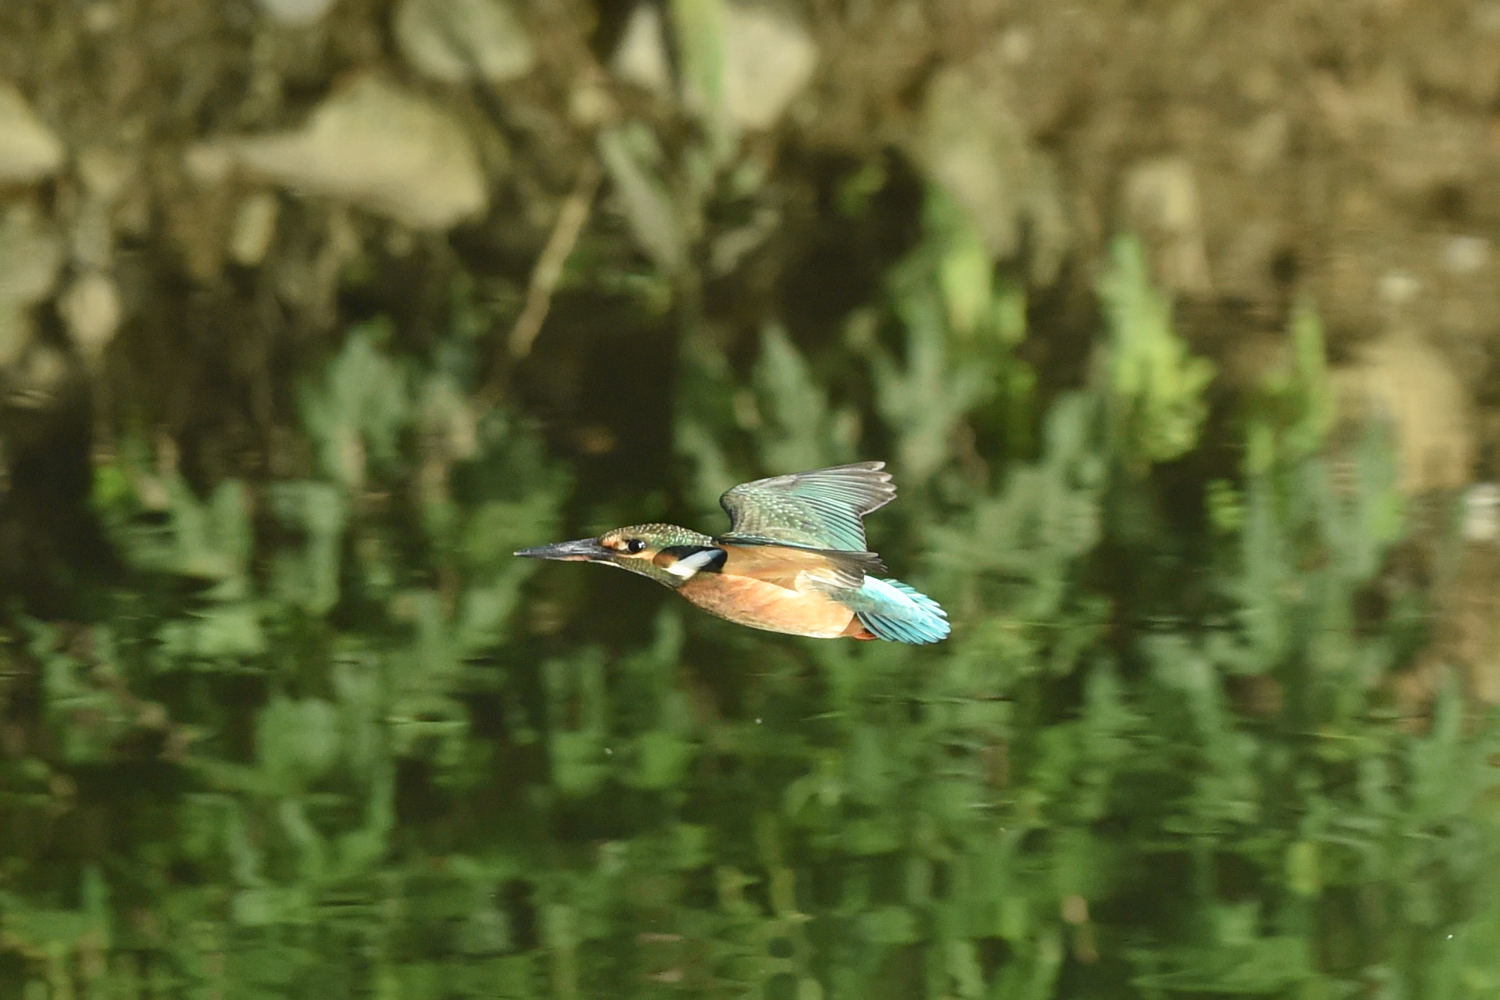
820 509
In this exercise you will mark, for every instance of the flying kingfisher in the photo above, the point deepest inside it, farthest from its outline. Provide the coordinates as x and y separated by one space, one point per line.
794 559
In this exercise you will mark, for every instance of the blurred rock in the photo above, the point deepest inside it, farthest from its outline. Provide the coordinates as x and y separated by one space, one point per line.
15 334
460 40
31 255
209 163
91 309
1398 287
1481 514
377 146
295 13
1162 204
100 17
1466 255
40 379
91 233
1471 620
29 151
1465 646
641 55
106 172
971 142
254 229
769 58
1403 380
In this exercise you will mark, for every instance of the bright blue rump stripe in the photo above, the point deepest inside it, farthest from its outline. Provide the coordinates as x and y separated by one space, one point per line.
921 625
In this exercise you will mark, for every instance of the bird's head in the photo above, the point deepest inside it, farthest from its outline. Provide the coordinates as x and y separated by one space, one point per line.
664 552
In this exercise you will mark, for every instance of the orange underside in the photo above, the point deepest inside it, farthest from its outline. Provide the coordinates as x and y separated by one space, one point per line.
761 604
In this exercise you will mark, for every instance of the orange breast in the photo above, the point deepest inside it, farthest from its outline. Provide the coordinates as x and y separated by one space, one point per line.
758 604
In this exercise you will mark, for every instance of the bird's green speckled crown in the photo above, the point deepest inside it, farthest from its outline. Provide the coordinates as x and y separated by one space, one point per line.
658 536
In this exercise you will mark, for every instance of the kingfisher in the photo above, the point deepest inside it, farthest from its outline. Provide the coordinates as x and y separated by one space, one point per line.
794 559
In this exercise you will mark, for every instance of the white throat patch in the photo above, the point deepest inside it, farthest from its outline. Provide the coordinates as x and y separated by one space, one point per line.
688 566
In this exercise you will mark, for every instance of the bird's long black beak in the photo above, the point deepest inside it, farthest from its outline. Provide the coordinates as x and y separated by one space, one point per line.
579 550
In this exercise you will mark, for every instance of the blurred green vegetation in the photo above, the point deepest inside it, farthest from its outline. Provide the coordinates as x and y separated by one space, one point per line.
327 738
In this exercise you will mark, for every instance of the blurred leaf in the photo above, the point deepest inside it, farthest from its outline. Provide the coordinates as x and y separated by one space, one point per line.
215 633
297 740
702 39
635 163
356 412
799 429
1158 387
661 758
890 925
924 396
1291 416
307 575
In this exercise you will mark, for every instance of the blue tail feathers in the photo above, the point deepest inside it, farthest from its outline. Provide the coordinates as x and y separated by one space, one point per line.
892 610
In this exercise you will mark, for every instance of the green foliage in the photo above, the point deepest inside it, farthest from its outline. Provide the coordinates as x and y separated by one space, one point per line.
661 223
323 742
700 28
1295 408
1157 386
356 412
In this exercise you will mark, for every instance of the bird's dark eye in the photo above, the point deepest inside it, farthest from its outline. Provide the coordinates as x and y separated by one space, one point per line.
634 545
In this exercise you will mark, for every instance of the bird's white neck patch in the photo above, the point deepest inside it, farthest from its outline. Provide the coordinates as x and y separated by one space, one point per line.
688 566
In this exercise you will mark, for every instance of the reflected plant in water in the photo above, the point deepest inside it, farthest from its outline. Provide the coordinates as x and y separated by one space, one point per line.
330 737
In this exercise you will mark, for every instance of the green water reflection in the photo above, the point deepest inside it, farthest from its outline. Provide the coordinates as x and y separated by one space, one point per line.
327 738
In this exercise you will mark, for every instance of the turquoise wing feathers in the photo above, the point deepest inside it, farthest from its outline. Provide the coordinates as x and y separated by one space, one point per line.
899 612
824 510
821 509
